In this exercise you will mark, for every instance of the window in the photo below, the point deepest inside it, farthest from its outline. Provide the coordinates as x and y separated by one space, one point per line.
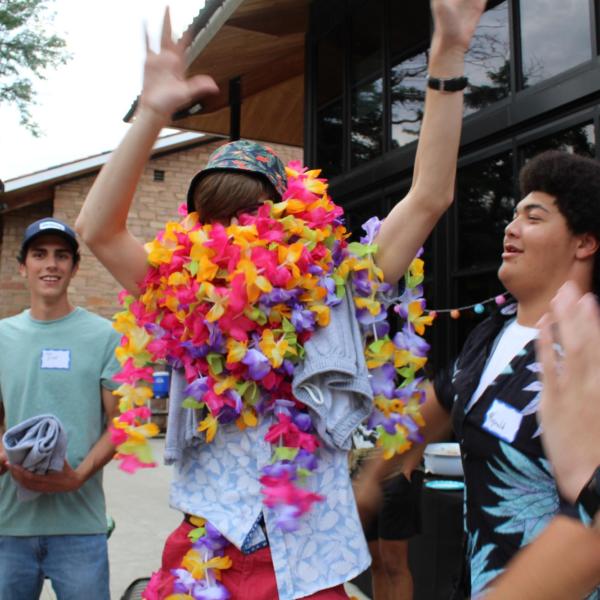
367 82
555 36
487 63
360 212
409 41
485 204
580 139
330 71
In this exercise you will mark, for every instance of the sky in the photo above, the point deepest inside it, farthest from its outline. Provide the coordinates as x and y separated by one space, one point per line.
81 104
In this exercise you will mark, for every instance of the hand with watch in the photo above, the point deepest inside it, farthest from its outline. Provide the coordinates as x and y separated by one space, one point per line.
455 23
570 405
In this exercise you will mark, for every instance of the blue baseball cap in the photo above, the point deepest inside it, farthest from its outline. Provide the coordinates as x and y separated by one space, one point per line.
49 226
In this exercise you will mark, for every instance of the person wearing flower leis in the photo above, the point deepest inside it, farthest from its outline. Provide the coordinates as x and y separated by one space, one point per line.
261 306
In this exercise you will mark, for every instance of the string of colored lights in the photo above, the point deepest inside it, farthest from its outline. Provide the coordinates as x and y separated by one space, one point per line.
477 307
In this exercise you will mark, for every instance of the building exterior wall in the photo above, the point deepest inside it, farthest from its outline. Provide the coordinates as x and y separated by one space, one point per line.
531 67
155 202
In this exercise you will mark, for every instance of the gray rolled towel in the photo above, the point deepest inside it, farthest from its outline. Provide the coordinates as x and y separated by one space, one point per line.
38 444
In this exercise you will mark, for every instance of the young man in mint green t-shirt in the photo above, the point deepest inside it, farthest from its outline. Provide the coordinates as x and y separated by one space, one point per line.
56 359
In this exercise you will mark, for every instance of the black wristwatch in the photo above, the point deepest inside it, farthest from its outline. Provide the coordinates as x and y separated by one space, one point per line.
589 497
453 84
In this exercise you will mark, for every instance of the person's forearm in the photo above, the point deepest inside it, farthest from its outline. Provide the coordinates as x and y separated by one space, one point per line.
104 213
103 450
437 151
100 454
432 189
563 562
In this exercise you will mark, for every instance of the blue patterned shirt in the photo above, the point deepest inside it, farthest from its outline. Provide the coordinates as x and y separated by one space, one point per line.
220 482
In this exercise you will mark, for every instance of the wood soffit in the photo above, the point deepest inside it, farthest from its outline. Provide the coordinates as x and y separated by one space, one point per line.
274 115
263 44
10 201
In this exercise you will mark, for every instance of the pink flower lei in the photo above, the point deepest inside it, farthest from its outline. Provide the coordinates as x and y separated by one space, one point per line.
233 306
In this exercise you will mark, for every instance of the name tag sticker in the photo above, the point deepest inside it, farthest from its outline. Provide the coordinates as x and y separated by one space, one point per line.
503 421
56 359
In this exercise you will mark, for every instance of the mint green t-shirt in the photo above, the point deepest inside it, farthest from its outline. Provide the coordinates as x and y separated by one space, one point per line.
57 367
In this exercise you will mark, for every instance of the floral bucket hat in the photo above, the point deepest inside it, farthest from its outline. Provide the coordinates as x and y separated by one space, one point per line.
242 155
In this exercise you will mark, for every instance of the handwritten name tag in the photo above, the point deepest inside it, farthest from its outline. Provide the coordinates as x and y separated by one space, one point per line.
56 359
503 421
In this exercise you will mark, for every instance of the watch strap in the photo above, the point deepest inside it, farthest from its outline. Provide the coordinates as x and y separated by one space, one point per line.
451 84
589 497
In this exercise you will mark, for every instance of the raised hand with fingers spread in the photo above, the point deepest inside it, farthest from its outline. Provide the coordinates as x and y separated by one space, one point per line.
570 406
165 86
102 222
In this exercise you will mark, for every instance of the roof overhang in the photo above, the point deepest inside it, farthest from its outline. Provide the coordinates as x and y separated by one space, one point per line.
37 187
261 42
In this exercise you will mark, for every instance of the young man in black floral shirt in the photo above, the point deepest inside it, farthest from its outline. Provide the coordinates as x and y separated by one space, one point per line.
491 392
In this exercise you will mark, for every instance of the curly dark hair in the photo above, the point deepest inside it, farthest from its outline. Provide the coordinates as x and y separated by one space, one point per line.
575 183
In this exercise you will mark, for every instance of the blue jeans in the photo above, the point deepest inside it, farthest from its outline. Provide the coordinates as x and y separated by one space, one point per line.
77 566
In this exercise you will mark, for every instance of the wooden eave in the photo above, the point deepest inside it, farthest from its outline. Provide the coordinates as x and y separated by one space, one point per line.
10 201
262 43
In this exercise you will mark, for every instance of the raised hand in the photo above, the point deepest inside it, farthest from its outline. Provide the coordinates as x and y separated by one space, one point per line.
570 406
166 88
455 22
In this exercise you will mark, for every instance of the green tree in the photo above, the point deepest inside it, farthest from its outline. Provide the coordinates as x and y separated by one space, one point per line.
27 49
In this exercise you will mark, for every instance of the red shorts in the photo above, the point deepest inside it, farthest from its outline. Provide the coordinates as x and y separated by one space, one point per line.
250 577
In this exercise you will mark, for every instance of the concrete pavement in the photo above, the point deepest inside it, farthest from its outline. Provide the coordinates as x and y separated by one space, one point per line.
139 505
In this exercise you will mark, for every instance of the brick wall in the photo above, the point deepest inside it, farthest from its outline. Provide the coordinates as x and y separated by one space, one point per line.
155 202
14 296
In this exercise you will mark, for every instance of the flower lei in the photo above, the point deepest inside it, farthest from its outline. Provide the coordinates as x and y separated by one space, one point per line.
233 306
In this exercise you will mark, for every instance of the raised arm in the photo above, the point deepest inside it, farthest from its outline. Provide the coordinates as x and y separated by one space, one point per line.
410 222
102 222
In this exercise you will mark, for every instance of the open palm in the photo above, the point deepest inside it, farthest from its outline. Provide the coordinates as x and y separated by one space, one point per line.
165 86
455 21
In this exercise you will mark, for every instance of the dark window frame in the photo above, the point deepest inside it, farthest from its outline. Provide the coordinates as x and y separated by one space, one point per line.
563 101
520 104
